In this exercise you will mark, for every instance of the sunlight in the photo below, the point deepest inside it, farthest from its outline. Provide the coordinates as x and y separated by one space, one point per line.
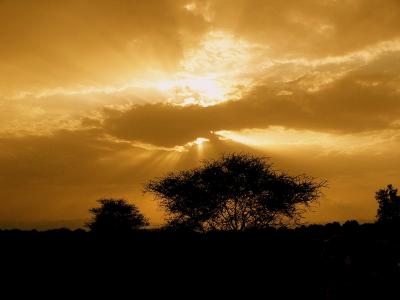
201 90
211 73
278 137
199 142
190 6
273 136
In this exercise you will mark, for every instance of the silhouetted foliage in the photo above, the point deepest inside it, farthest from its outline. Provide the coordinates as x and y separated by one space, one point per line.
388 205
351 225
330 261
234 192
116 216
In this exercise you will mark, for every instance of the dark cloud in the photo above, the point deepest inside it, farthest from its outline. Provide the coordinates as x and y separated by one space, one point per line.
162 124
362 100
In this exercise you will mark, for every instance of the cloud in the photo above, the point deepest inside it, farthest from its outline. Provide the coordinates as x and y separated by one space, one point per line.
63 62
75 43
79 44
308 28
365 99
335 100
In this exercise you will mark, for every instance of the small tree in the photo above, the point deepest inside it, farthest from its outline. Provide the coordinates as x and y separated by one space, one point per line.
235 192
388 205
116 216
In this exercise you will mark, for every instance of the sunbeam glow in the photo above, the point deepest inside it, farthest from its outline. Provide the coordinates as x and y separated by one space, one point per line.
201 90
277 137
199 142
213 73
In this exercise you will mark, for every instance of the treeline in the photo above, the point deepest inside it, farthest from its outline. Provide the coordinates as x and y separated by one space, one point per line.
332 261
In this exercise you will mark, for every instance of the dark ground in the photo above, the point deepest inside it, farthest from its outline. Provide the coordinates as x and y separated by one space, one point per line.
314 262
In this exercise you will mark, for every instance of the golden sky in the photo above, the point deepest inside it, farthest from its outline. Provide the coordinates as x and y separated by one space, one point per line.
97 97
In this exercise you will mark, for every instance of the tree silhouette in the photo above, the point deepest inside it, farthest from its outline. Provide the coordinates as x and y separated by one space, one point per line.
116 216
235 192
388 205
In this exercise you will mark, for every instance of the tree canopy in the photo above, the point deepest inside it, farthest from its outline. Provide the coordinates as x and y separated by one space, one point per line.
388 205
116 216
234 192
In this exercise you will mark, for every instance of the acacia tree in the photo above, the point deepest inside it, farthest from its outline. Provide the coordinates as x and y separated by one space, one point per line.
116 216
388 205
235 192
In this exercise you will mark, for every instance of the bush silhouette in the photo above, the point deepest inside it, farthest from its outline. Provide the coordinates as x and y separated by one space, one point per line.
235 192
116 216
388 205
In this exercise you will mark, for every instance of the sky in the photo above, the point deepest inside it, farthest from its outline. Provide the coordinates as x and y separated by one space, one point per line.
99 96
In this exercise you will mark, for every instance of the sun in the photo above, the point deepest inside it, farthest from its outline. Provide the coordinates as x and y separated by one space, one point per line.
211 73
201 141
201 90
